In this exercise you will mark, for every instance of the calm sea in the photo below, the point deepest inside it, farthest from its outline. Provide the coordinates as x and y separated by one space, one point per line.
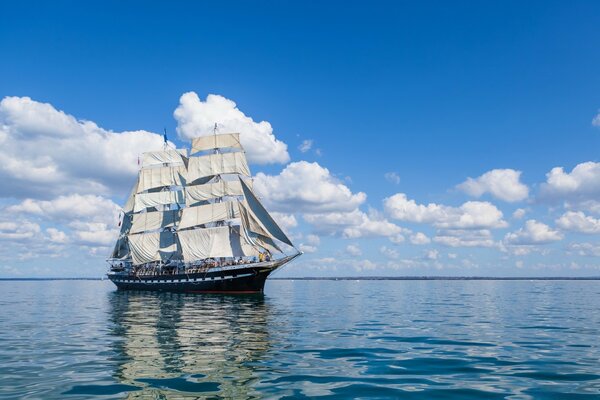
338 339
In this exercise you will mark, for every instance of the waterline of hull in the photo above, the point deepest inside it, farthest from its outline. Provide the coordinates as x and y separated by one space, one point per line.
238 279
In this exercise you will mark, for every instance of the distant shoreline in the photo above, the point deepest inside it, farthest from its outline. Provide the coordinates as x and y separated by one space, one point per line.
375 278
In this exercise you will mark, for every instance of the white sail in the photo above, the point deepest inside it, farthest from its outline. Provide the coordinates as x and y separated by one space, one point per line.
152 178
223 241
153 199
260 214
250 222
210 142
169 156
155 246
128 207
154 220
267 243
197 193
204 214
216 164
121 250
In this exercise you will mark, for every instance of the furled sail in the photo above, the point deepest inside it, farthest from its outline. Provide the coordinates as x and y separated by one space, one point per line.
153 199
203 143
204 214
197 193
216 164
154 246
222 241
260 214
151 221
169 156
151 178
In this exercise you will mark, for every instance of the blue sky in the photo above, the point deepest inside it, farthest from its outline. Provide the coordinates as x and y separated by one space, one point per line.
435 92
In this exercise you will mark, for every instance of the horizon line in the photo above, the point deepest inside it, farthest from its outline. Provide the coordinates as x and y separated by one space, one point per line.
357 278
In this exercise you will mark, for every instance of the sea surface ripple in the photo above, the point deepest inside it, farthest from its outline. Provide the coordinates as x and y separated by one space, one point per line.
303 339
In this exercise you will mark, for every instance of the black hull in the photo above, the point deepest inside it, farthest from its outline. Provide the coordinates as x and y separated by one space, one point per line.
241 280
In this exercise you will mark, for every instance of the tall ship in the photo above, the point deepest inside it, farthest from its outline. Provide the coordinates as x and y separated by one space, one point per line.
193 223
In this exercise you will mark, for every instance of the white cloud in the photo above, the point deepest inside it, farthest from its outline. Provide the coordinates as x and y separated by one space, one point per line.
307 188
419 238
392 177
582 183
305 146
465 238
503 184
91 219
399 238
56 236
519 213
71 207
285 221
585 249
353 250
197 118
306 248
313 240
578 222
470 215
532 233
18 230
452 256
45 152
389 252
432 254
596 120
353 225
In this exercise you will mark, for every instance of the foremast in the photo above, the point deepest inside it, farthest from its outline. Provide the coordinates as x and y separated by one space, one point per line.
186 209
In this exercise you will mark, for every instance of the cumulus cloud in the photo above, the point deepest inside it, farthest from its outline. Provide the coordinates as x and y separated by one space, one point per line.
71 207
197 118
45 152
578 222
91 220
392 177
503 184
305 146
285 221
470 215
582 183
18 230
353 225
465 238
432 254
353 250
310 244
585 249
596 120
419 238
389 252
308 188
533 233
519 213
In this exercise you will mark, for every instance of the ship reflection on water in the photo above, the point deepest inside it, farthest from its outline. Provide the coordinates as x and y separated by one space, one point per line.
176 345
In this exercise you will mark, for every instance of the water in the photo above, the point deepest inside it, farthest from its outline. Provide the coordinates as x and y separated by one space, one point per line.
338 339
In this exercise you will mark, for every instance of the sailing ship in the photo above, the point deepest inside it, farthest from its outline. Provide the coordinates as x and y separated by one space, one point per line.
193 223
